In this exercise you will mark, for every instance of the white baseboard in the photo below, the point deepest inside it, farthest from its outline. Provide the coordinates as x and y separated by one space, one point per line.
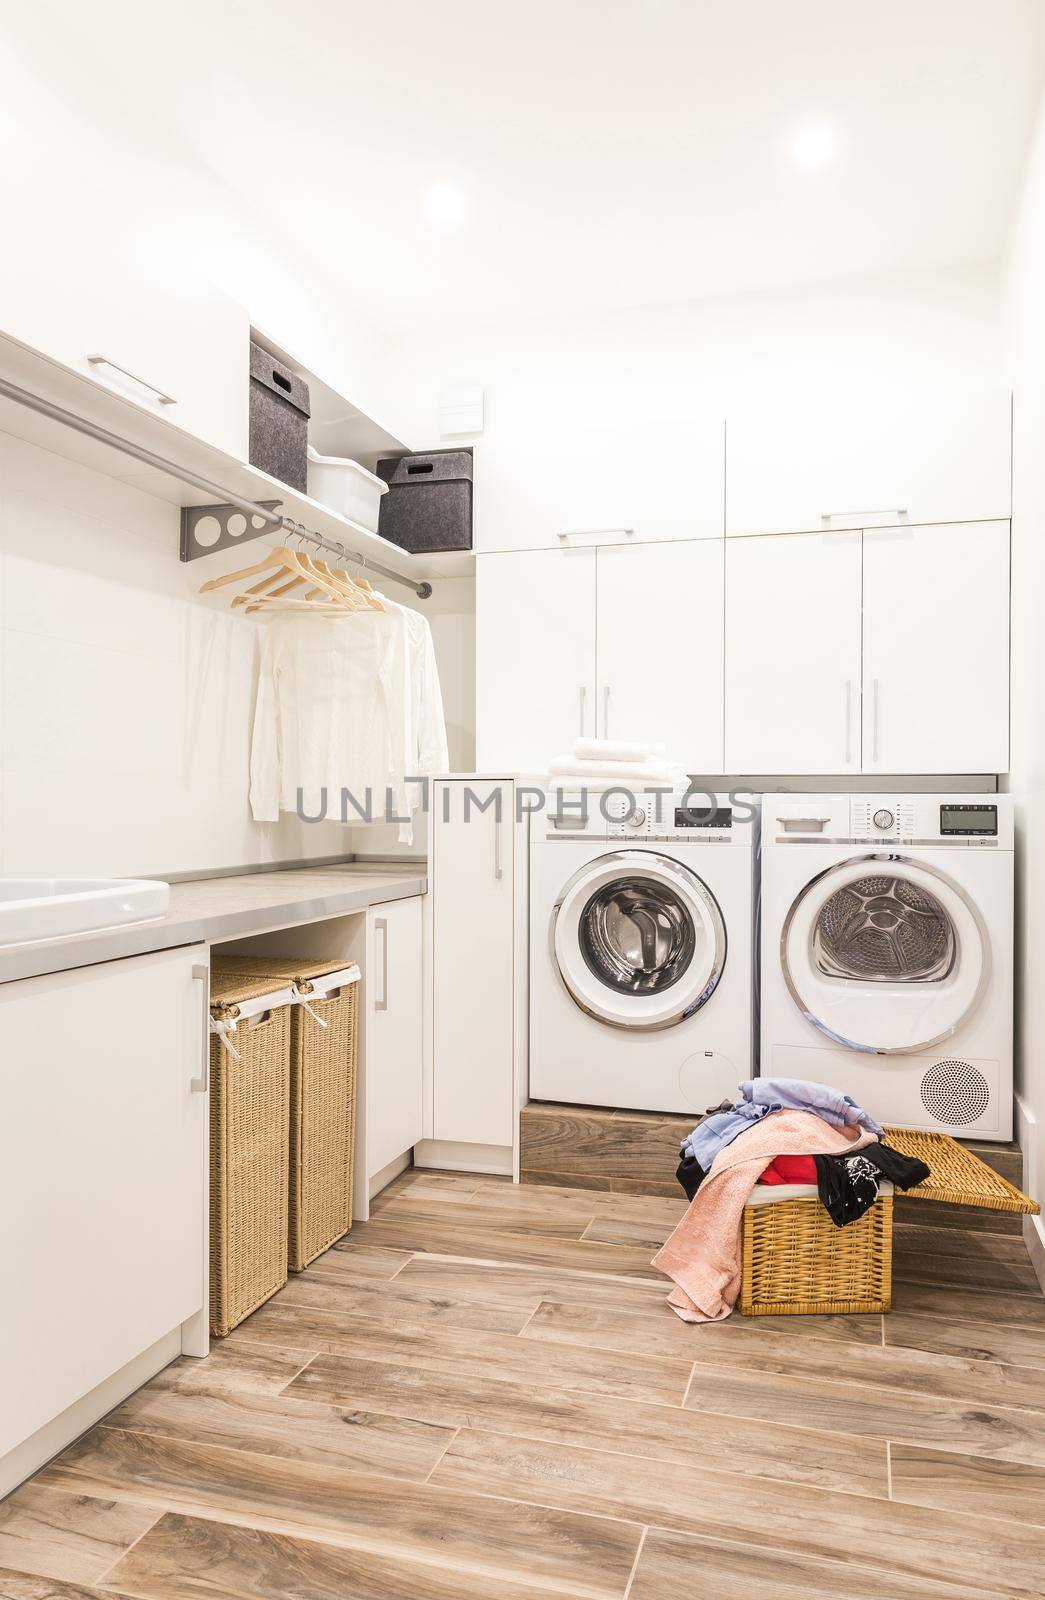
446 1155
1027 1133
29 1456
1034 1238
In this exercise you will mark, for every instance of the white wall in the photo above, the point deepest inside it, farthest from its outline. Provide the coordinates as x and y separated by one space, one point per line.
1024 312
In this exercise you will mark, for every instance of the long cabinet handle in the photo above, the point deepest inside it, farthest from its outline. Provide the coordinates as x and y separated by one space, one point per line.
201 975
874 719
583 704
594 533
866 511
381 927
498 847
162 396
606 712
848 721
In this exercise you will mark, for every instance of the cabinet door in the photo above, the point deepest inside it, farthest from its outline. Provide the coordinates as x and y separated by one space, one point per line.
600 483
169 341
660 636
851 462
473 929
936 649
535 657
393 1030
102 1175
793 654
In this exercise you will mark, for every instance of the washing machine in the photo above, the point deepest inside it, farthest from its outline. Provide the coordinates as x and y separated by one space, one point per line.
887 953
642 950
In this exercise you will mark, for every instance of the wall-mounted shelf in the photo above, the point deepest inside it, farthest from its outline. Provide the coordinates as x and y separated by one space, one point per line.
134 424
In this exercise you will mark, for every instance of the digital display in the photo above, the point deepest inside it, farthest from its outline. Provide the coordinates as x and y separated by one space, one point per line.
698 816
969 819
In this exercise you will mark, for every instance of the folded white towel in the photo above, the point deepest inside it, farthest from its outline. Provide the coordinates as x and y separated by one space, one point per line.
615 750
633 772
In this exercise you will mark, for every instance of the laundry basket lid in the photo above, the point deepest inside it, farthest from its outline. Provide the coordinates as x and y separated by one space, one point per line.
957 1176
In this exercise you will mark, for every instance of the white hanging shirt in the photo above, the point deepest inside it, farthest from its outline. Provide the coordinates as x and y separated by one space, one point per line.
348 703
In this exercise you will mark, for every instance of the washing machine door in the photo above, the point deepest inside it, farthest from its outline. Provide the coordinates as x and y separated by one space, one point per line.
885 954
639 940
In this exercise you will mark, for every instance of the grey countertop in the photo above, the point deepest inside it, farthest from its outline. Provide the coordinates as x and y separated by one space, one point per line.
207 909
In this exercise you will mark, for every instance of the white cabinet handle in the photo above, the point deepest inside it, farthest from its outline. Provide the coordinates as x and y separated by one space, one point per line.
103 361
381 927
848 721
874 720
595 533
606 712
201 975
583 703
875 511
498 847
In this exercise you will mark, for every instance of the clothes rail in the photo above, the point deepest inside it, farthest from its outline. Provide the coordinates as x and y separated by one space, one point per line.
261 515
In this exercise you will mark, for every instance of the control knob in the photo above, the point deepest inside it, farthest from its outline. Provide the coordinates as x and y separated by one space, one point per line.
884 819
637 818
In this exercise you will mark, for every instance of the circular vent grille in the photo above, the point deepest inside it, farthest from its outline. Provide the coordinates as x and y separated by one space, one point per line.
955 1092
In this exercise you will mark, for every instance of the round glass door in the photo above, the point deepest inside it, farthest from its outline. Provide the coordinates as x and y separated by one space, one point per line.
639 940
884 954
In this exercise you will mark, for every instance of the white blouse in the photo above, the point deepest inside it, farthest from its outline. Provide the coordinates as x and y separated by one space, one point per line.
348 710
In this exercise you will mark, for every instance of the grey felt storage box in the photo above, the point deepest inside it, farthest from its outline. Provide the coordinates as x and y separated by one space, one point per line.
429 501
279 412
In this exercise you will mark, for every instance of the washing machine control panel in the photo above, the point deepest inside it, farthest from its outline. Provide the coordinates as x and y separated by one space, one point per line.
881 817
648 815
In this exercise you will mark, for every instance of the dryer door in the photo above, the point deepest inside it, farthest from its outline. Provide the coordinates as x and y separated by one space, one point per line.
884 954
639 940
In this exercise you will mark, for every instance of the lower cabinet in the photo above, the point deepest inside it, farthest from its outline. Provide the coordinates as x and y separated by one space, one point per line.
392 1031
472 873
102 1177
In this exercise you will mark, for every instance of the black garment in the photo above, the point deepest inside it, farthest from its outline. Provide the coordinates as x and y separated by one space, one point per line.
848 1185
691 1175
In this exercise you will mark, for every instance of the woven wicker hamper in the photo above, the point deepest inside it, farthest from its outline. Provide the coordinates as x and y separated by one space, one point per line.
322 1096
249 1139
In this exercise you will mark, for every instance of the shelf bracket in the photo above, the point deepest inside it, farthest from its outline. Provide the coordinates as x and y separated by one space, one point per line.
205 529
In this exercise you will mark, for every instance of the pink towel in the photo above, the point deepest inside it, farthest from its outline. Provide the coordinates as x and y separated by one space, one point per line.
703 1253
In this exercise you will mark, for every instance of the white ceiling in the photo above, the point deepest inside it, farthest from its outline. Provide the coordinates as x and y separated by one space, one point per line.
611 152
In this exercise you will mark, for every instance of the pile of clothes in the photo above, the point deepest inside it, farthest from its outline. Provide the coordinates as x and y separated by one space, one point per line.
779 1131
847 1184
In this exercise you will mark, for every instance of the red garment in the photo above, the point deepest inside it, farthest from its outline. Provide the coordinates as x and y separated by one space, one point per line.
790 1169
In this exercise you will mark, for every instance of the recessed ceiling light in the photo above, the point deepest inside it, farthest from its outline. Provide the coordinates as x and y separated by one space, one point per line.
814 146
444 205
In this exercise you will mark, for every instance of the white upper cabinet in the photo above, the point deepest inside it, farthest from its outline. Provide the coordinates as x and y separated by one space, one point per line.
792 701
660 648
586 485
99 275
862 463
936 649
534 657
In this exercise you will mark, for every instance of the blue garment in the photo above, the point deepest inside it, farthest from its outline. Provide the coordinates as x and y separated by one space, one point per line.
795 1094
759 1097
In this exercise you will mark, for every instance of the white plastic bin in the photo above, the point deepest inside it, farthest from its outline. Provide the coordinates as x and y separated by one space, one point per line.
347 487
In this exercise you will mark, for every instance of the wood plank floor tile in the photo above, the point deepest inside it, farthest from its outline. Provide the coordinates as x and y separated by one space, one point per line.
906 1540
235 1365
971 1485
414 1522
359 1260
972 1244
510 1283
635 1331
32 1586
974 1341
492 1355
633 1427
332 1435
628 1230
661 1185
918 1373
671 1562
481 1244
935 1214
397 1305
185 1557
482 1211
958 1271
969 1304
60 1535
853 1408
603 1202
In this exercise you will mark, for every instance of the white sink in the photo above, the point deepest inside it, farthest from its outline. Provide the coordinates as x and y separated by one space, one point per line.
49 908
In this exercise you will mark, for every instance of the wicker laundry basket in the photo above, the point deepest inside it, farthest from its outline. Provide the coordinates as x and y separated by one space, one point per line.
796 1262
322 1094
249 1146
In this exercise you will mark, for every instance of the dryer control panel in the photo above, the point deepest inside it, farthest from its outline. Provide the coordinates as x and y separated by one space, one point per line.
972 821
